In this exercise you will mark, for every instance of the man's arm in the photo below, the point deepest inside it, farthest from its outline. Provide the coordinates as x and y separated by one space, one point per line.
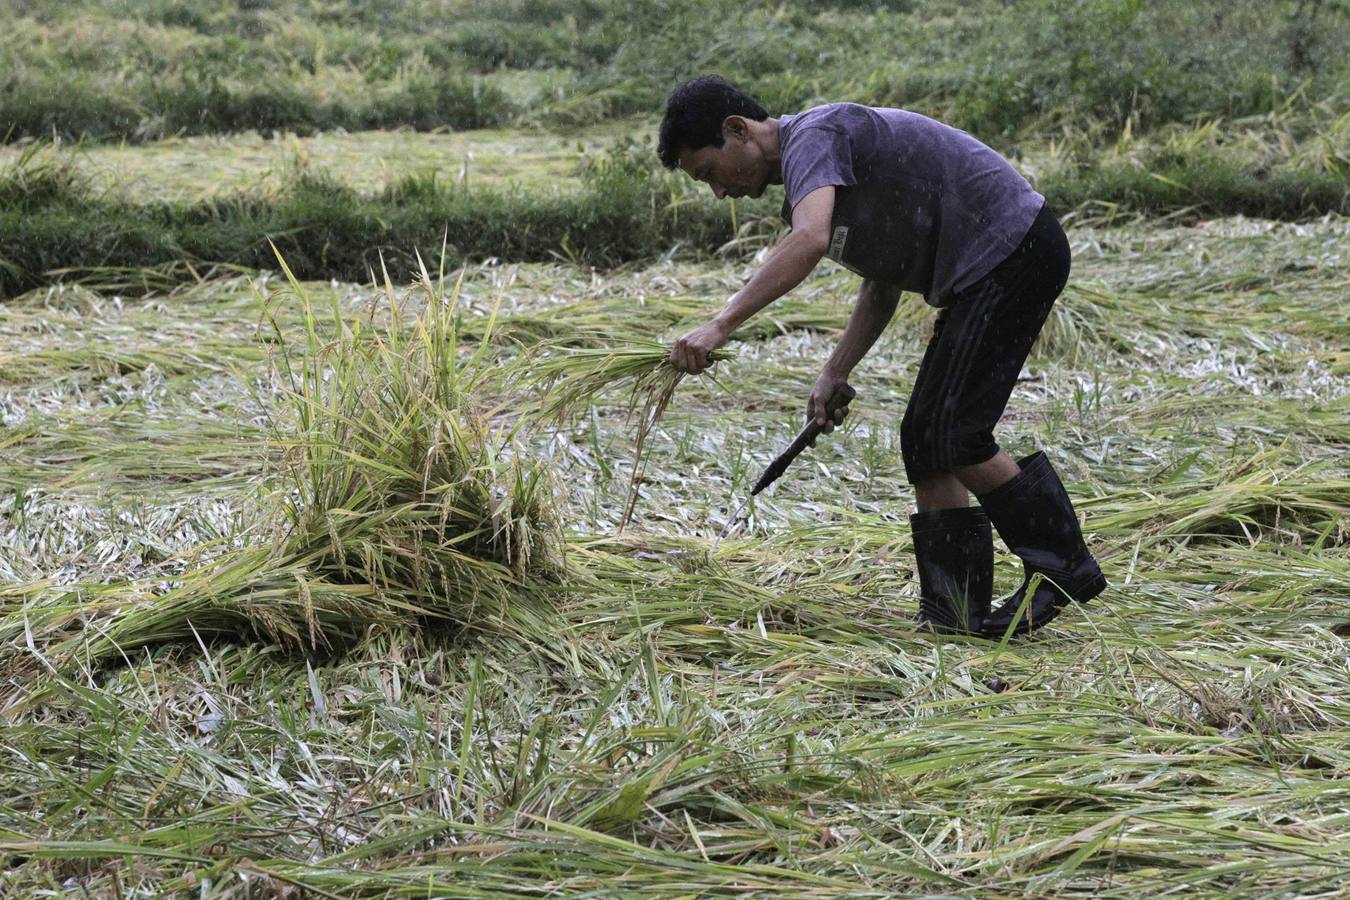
789 263
871 314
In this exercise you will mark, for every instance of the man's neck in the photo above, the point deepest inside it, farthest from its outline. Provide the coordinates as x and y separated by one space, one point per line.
766 135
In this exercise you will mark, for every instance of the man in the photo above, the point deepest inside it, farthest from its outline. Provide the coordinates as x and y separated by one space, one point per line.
911 204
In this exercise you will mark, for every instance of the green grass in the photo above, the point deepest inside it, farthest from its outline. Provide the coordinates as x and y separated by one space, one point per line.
149 69
759 719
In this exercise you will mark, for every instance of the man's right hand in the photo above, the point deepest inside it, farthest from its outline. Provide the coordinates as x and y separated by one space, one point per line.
829 386
690 353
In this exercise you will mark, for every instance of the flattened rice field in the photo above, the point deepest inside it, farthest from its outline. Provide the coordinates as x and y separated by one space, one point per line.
670 718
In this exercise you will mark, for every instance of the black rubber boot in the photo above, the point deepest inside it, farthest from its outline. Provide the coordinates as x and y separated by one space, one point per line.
954 552
1035 518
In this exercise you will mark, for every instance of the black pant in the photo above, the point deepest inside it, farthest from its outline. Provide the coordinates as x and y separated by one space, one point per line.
978 347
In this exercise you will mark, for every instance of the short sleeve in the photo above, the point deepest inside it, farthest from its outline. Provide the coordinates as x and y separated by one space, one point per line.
814 157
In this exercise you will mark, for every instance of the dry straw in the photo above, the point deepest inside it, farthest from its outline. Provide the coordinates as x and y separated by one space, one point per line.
396 499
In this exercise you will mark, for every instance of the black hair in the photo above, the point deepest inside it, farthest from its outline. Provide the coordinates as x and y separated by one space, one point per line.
694 115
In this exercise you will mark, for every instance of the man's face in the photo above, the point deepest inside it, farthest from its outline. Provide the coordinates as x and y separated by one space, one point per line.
735 169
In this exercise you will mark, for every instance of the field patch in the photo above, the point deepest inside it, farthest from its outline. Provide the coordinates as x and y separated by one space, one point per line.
657 715
191 169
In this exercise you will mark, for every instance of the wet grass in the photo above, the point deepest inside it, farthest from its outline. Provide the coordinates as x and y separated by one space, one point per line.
759 719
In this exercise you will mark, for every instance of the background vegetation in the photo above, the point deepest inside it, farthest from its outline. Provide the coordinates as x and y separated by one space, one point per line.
1115 107
150 68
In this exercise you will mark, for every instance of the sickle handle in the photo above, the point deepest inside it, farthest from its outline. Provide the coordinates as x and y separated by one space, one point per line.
842 397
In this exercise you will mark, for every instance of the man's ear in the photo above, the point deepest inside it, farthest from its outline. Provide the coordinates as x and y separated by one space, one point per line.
736 127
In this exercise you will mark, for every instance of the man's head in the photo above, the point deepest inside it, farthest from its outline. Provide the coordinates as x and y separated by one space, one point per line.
718 135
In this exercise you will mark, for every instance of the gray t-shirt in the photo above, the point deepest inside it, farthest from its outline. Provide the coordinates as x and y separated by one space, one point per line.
917 203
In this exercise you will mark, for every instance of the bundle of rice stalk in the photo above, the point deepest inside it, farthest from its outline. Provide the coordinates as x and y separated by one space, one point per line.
593 322
573 378
599 322
396 500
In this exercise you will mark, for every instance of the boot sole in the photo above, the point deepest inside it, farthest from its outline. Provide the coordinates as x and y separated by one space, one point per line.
995 631
1083 591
